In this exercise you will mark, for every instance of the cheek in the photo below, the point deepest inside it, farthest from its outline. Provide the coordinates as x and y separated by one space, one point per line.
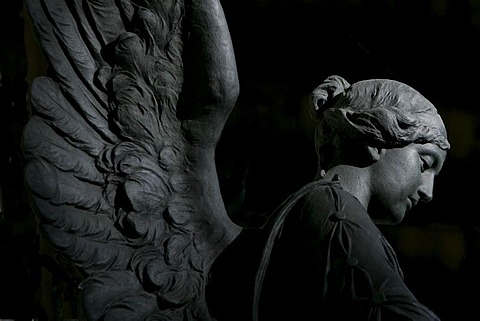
407 183
403 178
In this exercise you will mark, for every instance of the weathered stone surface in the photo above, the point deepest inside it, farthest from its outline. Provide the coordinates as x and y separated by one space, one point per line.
120 149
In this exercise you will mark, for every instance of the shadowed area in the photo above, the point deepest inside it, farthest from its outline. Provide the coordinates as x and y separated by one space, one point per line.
283 49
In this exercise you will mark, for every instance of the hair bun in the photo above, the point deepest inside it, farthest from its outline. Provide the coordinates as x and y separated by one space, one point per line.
325 92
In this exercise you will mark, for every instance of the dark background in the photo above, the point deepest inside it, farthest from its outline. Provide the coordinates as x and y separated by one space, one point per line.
284 49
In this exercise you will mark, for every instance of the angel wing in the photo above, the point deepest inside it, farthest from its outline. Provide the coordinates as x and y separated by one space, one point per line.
120 149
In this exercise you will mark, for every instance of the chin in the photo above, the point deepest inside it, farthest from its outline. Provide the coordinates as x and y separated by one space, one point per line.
390 216
396 217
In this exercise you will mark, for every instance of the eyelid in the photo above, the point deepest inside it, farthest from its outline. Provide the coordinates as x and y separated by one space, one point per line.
433 157
425 164
430 162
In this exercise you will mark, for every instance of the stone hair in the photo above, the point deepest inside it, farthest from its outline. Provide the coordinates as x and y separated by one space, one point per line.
382 112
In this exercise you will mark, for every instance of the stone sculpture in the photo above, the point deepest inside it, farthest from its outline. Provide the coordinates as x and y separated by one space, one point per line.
120 149
320 256
121 172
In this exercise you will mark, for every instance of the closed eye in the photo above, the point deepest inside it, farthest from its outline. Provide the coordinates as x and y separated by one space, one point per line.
426 163
431 157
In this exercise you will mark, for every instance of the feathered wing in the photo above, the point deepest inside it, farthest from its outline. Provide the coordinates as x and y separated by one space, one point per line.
120 149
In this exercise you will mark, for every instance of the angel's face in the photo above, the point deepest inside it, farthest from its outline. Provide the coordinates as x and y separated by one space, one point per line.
401 178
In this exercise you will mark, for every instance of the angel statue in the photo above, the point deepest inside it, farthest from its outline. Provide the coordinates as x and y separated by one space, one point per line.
120 149
321 254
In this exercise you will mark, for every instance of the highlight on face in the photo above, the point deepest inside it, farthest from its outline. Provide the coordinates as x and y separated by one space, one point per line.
385 113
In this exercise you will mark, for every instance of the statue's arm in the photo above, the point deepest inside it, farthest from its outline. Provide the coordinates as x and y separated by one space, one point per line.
211 82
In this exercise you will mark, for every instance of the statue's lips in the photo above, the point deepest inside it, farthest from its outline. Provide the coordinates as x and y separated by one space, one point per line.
411 203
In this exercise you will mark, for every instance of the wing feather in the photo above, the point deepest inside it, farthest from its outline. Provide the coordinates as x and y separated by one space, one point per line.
101 299
97 227
73 66
91 257
49 102
38 141
63 187
125 187
106 18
